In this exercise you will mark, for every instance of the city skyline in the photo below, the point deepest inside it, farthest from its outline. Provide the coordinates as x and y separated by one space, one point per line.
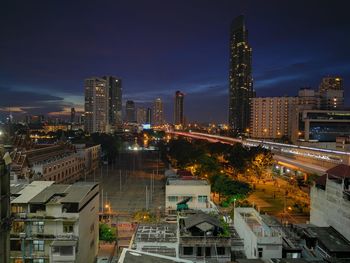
44 64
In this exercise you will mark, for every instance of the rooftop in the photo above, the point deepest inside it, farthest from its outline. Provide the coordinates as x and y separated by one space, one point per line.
186 182
133 256
340 171
156 233
30 191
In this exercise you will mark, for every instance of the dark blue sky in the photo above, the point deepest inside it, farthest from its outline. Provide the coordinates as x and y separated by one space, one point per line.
47 48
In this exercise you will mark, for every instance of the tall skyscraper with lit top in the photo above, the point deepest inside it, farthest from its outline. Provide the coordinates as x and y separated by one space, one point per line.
179 108
158 116
240 77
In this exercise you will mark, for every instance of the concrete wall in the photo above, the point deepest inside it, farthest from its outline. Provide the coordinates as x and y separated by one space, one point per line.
182 191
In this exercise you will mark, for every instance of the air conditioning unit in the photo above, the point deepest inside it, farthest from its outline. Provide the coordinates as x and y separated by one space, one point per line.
23 215
22 235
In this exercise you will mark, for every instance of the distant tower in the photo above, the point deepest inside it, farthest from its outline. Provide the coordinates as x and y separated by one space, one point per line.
158 115
114 89
141 115
332 93
179 108
130 111
240 77
72 115
96 105
149 116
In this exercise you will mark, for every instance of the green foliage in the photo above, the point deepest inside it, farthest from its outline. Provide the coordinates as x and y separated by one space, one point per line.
144 216
225 227
110 144
184 153
207 165
107 233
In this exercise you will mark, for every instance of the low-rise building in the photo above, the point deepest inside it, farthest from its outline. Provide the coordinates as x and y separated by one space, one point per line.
203 238
178 189
260 240
330 200
91 154
54 223
132 256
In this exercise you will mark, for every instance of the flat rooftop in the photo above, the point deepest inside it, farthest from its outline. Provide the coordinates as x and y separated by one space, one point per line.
156 233
186 182
133 256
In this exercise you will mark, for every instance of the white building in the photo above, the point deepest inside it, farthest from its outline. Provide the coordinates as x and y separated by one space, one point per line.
54 223
330 200
260 240
177 190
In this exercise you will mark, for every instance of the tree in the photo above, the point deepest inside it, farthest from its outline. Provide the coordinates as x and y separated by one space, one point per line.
183 153
238 157
107 233
260 159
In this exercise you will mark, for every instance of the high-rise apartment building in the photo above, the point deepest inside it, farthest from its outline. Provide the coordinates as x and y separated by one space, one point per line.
130 111
158 115
149 116
240 77
270 117
331 91
141 115
55 222
72 115
179 108
114 90
96 105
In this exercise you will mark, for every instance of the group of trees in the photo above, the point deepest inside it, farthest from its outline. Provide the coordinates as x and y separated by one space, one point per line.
213 160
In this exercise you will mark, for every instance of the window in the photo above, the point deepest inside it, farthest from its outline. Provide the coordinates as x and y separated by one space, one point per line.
202 198
199 251
172 198
38 245
220 250
63 250
39 226
260 252
68 227
208 251
188 250
38 260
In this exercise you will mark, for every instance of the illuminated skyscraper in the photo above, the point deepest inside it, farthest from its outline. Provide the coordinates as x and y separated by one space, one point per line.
96 105
240 77
114 88
158 115
179 108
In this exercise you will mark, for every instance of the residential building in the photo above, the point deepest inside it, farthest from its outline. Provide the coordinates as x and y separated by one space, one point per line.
5 217
72 115
203 238
260 240
330 200
141 115
331 91
130 111
158 114
240 77
114 90
55 223
308 99
149 116
270 117
178 189
179 108
96 105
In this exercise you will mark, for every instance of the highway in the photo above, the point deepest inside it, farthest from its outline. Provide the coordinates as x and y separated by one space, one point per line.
314 160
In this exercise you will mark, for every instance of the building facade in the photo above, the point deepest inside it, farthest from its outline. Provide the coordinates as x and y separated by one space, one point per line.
114 90
55 223
5 217
157 113
331 92
330 200
240 77
96 105
260 240
130 111
177 190
141 115
270 117
179 108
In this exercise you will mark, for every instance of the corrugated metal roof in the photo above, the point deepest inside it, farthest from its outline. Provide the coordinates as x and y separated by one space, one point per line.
31 191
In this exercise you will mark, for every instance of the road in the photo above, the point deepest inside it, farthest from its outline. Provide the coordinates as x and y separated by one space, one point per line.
123 184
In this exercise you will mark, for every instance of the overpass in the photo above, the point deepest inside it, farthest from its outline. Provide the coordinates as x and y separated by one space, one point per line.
307 159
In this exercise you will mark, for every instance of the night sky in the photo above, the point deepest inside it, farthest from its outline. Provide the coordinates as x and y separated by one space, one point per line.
47 48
